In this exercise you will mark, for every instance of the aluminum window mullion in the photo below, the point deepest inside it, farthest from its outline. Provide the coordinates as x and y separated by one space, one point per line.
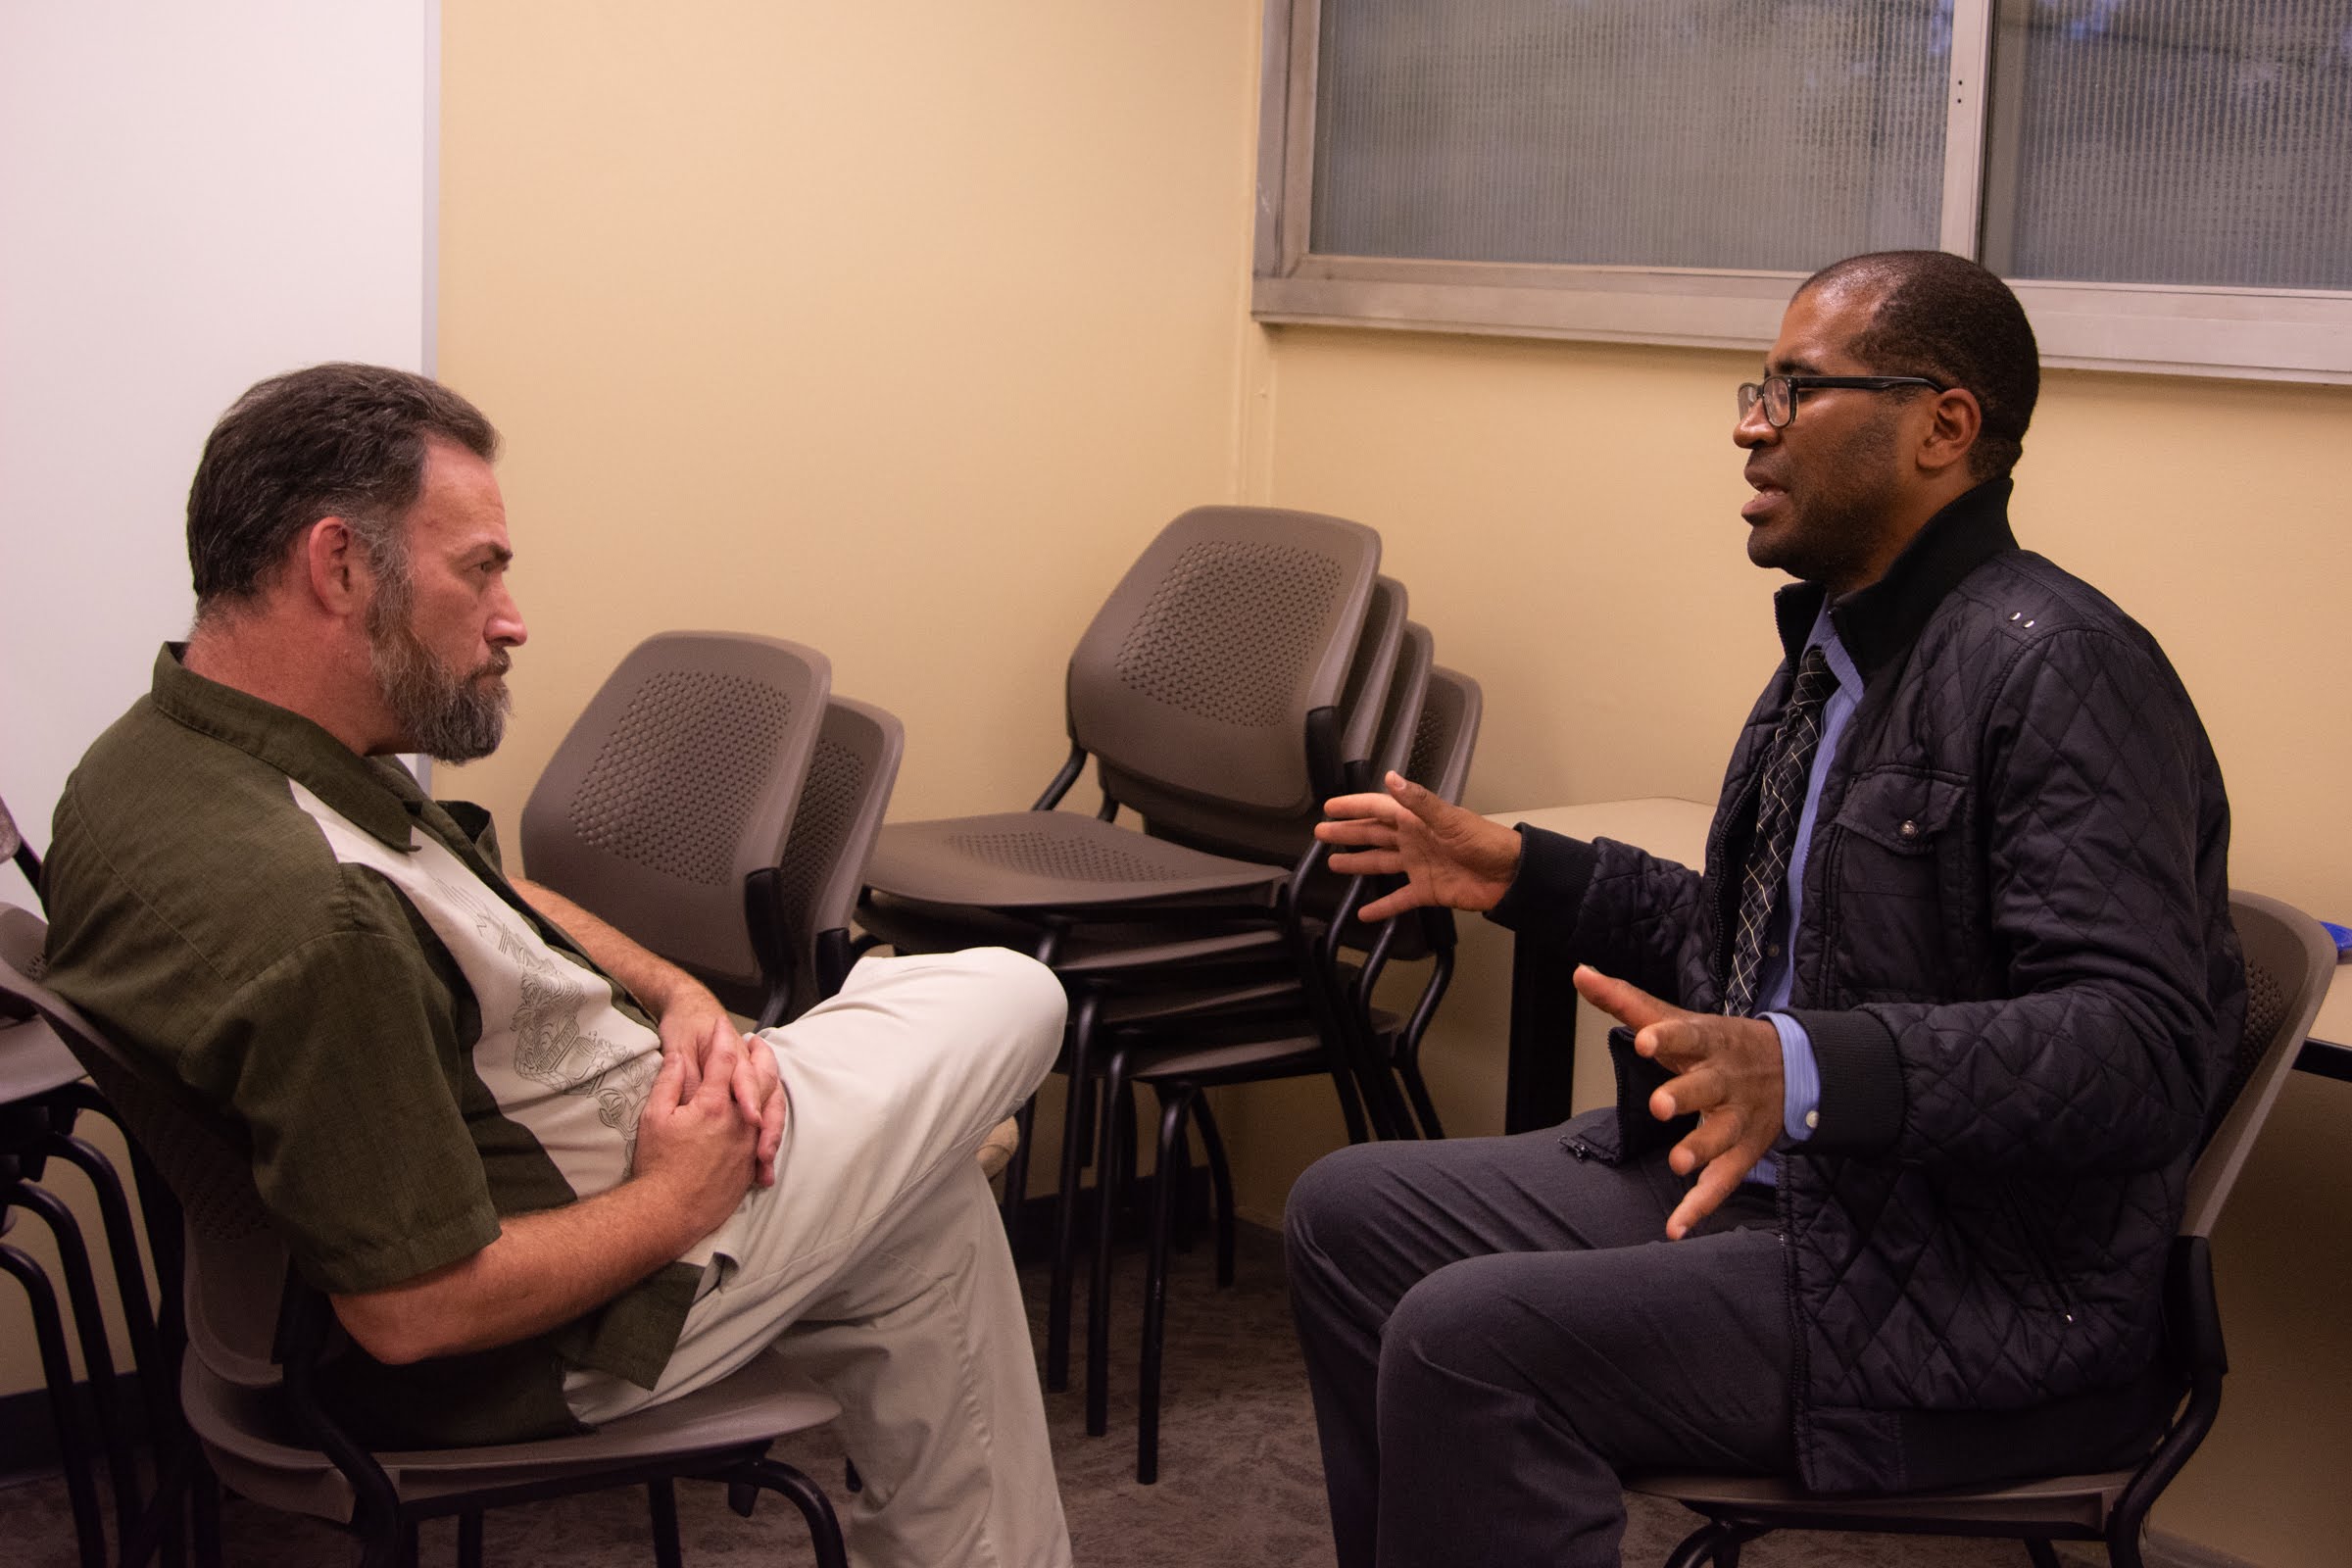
1964 126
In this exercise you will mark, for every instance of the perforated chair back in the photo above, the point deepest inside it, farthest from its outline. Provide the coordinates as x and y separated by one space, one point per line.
678 781
1445 735
1216 669
2289 962
235 1262
841 807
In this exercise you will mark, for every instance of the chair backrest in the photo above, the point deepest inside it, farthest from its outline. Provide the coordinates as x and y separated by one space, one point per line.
849 777
235 1261
2289 962
1446 737
1216 669
1408 696
1364 701
678 781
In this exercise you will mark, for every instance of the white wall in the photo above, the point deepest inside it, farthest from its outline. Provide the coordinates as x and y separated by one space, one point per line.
191 197
195 196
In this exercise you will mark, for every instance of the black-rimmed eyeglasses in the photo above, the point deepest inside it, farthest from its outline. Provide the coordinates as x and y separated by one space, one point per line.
1779 393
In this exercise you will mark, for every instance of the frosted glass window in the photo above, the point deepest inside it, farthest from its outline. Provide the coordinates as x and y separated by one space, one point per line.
2173 141
1766 134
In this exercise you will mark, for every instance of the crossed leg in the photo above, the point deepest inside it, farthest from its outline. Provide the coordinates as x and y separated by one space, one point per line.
877 1262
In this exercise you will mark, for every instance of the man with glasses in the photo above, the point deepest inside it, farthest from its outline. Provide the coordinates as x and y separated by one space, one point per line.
1910 1078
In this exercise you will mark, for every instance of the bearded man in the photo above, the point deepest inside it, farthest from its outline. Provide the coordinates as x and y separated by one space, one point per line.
247 892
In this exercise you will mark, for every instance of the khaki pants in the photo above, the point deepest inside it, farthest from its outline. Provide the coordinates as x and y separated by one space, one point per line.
877 1263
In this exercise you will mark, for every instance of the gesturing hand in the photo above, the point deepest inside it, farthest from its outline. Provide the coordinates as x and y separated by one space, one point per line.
1448 855
1728 1070
693 1139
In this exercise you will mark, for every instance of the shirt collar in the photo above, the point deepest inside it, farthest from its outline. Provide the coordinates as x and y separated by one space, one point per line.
376 793
1878 623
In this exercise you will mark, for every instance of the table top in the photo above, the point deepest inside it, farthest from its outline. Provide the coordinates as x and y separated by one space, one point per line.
1677 829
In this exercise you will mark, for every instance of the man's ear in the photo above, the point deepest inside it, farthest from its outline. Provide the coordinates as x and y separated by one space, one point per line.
331 562
1954 420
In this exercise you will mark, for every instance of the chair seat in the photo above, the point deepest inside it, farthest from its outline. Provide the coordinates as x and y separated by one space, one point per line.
33 1061
2063 1504
249 1441
1049 859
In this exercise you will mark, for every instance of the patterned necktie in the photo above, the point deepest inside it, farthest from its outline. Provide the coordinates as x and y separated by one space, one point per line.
1788 766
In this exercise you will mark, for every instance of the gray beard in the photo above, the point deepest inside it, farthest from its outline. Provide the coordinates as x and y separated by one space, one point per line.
449 716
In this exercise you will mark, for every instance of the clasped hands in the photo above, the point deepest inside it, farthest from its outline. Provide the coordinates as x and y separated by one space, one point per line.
715 1117
1727 1070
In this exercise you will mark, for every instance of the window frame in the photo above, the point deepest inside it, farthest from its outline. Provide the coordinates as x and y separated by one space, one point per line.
2242 333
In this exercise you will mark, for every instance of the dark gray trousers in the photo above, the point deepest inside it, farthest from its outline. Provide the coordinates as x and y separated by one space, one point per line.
1494 1327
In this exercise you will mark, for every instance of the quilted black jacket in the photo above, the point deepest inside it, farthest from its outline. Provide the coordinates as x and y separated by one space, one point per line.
2019 973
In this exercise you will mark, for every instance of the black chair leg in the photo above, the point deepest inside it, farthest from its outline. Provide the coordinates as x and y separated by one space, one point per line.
1425 1109
824 1529
662 1502
1713 1543
1065 1199
49 1335
97 1355
204 1508
1220 1177
1109 1151
1166 1194
1177 1168
469 1539
2041 1553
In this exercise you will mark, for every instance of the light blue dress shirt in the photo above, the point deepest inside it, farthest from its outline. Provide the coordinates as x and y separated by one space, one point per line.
1800 1075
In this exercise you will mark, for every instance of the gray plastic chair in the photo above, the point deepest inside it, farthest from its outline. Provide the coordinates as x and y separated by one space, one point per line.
2289 962
666 809
259 1336
1211 678
850 774
1348 1038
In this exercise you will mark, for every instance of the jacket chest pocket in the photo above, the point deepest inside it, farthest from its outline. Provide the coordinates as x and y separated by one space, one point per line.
1897 876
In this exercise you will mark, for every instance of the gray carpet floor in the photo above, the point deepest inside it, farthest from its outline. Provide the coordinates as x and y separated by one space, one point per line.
1239 1483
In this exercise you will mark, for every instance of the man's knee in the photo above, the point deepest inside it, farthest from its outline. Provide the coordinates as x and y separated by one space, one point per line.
1329 1207
1027 1001
1451 1323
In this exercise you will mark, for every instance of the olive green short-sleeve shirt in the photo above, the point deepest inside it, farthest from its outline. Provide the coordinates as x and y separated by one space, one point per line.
201 913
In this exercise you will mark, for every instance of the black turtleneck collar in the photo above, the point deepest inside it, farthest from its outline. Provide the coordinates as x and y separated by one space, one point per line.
1878 623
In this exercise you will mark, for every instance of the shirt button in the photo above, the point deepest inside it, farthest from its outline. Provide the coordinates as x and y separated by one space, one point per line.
1772 950
1812 1120
1909 829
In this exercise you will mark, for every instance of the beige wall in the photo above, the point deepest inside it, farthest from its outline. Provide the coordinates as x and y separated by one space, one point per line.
891 329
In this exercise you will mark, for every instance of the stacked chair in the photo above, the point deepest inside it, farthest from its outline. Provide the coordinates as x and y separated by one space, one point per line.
1252 663
42 1097
1180 1058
